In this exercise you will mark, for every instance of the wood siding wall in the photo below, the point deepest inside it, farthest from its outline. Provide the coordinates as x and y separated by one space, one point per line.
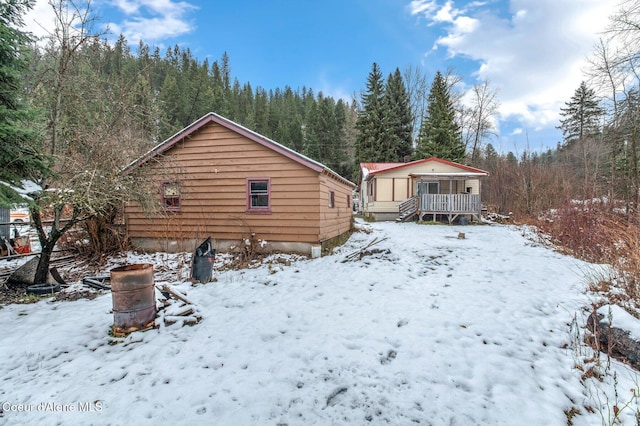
212 167
334 220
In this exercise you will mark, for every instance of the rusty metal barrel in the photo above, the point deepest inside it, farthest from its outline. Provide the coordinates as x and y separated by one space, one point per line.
134 297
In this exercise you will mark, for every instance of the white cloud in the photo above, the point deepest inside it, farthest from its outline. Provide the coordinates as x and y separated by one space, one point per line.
40 21
533 55
446 13
152 20
149 20
417 7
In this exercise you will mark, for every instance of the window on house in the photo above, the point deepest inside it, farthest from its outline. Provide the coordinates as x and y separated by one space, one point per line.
258 195
171 196
348 201
332 199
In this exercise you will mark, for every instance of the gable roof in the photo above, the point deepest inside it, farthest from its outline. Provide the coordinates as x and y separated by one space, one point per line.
235 127
372 169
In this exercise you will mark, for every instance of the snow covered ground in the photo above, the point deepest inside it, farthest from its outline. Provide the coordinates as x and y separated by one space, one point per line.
428 329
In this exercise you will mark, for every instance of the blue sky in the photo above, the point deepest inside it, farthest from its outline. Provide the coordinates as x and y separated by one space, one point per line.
531 51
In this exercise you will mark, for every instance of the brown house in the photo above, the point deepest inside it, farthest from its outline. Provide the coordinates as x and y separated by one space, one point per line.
216 178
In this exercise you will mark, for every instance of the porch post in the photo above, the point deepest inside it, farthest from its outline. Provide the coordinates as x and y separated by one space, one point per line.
480 197
450 196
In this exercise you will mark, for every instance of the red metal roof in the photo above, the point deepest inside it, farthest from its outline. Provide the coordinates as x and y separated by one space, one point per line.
375 168
379 166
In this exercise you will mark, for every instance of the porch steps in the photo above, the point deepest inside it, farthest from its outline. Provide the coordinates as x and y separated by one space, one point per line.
407 209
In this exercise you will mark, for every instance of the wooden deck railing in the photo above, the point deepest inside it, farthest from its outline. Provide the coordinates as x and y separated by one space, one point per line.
450 203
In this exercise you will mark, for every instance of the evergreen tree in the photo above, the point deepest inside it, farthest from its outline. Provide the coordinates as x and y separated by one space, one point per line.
581 149
370 123
19 140
261 111
225 71
323 133
172 106
440 134
398 118
218 100
491 156
582 115
245 112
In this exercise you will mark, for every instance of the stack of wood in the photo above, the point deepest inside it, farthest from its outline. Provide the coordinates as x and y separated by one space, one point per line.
498 218
177 307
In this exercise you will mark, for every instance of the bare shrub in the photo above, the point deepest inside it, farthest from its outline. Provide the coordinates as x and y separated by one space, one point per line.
592 231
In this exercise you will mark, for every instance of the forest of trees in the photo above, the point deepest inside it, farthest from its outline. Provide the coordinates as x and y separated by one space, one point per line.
75 108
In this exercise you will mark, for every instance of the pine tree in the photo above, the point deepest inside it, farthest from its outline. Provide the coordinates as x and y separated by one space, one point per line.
261 111
370 122
440 134
19 140
324 130
398 118
582 115
581 148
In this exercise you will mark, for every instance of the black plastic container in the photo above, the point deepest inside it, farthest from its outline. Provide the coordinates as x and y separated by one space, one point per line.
202 267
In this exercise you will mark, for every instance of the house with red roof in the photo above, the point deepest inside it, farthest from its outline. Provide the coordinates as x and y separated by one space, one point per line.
427 189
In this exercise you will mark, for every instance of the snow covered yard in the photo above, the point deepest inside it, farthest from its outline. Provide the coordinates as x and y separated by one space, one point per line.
428 329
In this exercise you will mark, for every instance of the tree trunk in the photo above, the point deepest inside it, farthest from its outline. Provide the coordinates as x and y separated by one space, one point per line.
42 271
635 176
48 240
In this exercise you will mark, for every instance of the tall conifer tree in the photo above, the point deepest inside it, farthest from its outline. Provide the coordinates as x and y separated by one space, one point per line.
370 122
582 115
18 138
440 134
398 118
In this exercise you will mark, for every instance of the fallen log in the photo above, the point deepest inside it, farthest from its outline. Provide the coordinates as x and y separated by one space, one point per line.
613 334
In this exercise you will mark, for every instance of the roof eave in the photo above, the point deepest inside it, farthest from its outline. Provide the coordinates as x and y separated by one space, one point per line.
213 117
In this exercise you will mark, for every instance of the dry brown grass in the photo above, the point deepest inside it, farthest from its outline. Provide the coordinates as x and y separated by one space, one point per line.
595 233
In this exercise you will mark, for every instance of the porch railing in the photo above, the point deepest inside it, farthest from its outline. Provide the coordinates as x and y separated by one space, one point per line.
450 203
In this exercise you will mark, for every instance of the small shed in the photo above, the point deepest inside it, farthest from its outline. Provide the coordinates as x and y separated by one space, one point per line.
430 188
217 178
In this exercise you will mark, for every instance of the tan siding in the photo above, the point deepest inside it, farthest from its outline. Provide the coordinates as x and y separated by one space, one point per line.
337 220
384 189
400 189
474 184
212 167
384 207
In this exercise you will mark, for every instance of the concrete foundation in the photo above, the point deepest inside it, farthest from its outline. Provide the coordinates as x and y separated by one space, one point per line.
152 245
